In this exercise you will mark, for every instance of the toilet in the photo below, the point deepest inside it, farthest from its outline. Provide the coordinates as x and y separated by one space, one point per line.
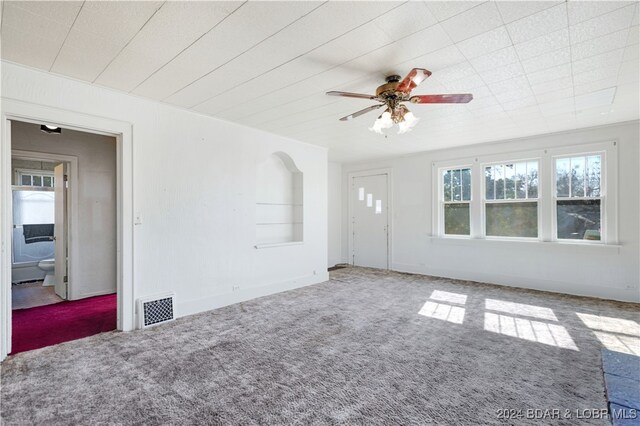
48 266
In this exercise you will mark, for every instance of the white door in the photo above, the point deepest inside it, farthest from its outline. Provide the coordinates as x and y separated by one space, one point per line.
370 221
60 230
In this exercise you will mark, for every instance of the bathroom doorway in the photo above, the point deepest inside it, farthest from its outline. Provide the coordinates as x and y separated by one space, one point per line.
64 245
41 208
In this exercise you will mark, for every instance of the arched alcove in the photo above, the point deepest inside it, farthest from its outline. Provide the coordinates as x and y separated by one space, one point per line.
279 201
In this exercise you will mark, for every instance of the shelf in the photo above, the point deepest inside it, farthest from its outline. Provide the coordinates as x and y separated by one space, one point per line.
284 244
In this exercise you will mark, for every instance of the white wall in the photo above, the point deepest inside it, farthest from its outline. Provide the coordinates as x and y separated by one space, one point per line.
606 272
335 214
195 191
96 221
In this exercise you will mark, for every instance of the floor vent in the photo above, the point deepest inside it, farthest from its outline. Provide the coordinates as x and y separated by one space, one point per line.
156 310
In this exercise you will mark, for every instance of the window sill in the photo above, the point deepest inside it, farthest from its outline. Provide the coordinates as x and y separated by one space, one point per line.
271 245
571 245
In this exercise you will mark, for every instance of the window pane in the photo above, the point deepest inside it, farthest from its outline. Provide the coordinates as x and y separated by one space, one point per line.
532 179
499 178
456 184
456 219
521 180
466 184
489 183
562 177
46 181
579 219
577 177
447 185
37 181
593 176
509 183
512 219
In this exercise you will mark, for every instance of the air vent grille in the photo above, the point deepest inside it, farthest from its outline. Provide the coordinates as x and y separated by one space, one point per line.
156 310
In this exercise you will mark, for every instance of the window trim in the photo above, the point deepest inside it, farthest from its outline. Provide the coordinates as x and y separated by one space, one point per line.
19 172
547 216
439 210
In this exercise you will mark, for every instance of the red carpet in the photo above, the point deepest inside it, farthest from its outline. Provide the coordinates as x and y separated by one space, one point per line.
48 325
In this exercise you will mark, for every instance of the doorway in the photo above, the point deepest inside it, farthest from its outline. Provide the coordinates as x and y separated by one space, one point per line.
369 212
13 110
41 217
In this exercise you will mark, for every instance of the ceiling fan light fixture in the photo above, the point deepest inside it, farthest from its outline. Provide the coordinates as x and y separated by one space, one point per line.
408 123
383 122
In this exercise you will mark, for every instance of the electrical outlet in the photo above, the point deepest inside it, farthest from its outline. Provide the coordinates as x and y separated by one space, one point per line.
235 288
314 272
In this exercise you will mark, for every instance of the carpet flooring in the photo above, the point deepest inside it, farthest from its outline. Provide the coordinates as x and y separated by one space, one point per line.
367 347
42 326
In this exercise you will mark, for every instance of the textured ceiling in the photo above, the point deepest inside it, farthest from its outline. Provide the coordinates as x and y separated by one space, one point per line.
533 67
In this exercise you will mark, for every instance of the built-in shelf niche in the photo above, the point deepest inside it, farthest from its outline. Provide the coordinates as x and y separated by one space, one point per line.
279 202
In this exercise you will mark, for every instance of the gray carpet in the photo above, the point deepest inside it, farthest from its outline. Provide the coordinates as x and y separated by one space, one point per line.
363 348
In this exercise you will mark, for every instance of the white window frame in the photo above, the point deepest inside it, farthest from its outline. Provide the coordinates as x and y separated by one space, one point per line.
442 202
547 219
484 201
30 172
608 190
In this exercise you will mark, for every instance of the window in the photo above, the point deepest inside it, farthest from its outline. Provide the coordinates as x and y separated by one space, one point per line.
560 194
511 199
456 197
37 178
578 197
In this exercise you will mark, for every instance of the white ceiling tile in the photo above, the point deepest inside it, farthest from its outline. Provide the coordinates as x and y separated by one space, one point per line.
595 99
62 12
541 23
510 96
580 11
173 28
84 55
504 72
550 74
478 20
116 22
598 45
485 43
602 60
547 60
631 53
444 10
227 41
514 10
515 84
405 20
596 74
30 48
636 16
555 108
519 103
581 89
634 35
555 95
554 85
540 45
629 72
614 21
496 59
481 102
488 111
465 85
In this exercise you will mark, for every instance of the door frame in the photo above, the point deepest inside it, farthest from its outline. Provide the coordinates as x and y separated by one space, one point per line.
72 206
122 131
350 187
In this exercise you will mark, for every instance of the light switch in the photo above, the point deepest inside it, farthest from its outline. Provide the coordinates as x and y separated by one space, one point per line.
137 220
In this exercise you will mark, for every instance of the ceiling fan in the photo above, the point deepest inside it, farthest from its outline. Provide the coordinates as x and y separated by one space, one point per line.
393 94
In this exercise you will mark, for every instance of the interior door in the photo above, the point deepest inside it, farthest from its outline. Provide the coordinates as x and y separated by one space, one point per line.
60 230
370 221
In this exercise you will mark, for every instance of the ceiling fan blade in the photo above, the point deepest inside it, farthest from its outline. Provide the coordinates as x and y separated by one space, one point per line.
359 113
458 98
351 95
413 79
